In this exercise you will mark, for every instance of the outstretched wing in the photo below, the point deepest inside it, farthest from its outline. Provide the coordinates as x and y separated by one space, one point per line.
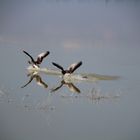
29 56
40 82
73 88
57 88
31 79
74 66
42 56
58 66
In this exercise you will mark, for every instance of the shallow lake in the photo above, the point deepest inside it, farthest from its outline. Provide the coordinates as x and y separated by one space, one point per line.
104 35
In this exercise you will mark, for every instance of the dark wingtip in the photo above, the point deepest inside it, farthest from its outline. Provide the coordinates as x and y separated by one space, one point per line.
80 62
58 66
47 53
23 51
53 63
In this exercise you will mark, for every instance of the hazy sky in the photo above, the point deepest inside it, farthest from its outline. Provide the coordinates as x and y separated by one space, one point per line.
68 22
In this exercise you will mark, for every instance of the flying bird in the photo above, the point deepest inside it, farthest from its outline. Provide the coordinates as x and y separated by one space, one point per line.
39 59
70 69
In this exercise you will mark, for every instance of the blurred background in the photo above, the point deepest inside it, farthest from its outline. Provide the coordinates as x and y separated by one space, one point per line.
104 35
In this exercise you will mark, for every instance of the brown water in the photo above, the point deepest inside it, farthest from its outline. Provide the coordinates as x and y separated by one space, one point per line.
105 35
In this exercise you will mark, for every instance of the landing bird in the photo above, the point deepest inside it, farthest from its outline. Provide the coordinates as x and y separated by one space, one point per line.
39 60
70 69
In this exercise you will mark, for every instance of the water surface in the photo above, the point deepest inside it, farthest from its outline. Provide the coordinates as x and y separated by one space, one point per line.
105 35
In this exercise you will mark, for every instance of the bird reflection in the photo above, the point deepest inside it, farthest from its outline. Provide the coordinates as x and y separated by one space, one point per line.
70 86
38 80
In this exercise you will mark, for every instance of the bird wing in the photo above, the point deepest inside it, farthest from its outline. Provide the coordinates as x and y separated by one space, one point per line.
74 66
41 56
31 79
57 88
45 54
73 88
29 56
40 82
58 66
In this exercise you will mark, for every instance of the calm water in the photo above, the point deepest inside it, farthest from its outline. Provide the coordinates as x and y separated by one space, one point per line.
105 35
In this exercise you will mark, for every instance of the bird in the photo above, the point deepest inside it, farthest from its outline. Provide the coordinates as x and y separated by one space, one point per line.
70 69
39 59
